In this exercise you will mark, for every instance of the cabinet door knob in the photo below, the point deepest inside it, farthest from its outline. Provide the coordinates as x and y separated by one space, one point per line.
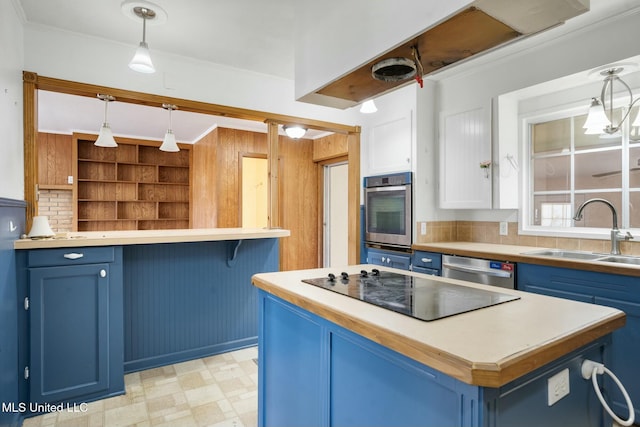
426 260
103 273
73 255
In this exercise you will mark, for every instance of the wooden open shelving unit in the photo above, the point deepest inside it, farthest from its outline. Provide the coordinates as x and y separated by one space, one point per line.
134 186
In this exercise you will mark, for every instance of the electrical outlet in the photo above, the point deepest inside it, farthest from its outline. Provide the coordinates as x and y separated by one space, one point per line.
504 228
70 179
423 228
558 386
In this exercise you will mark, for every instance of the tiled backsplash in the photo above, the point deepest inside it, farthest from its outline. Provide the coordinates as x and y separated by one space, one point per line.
58 206
489 232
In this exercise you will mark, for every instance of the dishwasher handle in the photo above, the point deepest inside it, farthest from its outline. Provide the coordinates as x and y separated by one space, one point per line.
488 272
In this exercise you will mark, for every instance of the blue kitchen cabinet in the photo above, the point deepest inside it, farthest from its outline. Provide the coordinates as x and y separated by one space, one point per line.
621 292
389 258
75 324
313 372
427 263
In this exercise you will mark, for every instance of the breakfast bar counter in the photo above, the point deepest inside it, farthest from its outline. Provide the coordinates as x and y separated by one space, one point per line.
496 356
144 237
101 304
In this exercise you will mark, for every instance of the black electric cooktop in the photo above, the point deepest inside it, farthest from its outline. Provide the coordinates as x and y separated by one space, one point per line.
418 297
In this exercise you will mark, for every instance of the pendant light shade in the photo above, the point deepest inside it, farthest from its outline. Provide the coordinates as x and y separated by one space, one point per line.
141 61
294 132
169 141
368 107
597 120
105 137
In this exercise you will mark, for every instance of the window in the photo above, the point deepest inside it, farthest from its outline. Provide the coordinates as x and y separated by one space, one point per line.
567 167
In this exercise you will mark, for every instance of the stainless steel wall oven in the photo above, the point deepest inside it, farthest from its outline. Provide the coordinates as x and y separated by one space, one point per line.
388 209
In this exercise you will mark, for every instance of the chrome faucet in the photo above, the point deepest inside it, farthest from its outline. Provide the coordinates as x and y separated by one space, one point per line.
616 235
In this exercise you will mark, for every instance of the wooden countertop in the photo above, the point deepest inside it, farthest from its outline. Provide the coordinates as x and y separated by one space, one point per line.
488 347
513 253
141 237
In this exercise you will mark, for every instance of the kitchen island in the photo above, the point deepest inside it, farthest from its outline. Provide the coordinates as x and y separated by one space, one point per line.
328 359
100 304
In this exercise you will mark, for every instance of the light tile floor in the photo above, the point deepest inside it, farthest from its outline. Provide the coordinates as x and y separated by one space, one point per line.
218 391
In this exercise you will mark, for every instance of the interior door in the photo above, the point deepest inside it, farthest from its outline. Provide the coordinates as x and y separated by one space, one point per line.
336 215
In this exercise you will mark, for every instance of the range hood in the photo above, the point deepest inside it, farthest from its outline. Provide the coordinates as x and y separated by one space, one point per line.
484 25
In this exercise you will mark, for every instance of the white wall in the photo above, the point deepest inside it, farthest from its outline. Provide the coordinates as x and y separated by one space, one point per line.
533 61
11 63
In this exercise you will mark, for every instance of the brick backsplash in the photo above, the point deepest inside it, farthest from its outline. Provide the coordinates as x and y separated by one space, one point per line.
489 232
58 206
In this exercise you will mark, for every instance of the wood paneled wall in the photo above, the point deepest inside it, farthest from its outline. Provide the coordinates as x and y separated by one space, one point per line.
54 159
216 189
299 204
204 183
330 147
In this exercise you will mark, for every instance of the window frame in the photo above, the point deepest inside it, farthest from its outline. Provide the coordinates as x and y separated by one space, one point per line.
556 112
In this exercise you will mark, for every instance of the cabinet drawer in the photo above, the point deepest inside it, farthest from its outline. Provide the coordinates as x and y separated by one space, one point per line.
389 259
70 256
427 260
430 271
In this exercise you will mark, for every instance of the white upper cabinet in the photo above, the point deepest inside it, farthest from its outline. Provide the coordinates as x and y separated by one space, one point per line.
465 159
390 146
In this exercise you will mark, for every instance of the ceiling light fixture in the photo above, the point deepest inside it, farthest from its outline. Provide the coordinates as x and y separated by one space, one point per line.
600 117
368 107
294 131
105 137
169 141
141 61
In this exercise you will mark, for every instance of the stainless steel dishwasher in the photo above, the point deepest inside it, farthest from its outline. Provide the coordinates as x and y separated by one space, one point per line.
484 271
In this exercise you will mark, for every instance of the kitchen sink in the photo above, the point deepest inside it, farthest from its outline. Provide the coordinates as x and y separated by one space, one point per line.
620 259
560 253
586 256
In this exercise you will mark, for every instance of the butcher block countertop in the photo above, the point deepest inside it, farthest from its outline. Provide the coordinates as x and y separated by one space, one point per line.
142 237
487 347
513 253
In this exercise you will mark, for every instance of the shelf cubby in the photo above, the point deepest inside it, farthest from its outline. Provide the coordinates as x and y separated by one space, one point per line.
96 210
96 170
134 186
172 174
162 224
137 173
173 210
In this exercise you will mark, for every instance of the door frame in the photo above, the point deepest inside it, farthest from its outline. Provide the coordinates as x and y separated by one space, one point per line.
32 82
321 199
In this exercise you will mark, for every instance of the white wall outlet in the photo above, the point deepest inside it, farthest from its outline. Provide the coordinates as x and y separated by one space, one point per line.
70 179
504 228
423 228
558 386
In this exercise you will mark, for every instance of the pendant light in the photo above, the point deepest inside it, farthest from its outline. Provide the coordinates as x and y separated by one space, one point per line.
141 61
295 131
169 141
368 107
600 119
105 137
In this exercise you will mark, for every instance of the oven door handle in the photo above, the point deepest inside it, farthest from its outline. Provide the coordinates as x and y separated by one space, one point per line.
476 270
